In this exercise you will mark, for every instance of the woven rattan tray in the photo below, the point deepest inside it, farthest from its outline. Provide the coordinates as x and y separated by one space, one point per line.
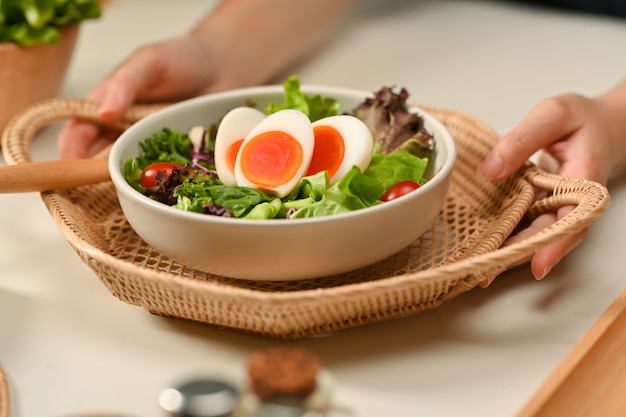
461 248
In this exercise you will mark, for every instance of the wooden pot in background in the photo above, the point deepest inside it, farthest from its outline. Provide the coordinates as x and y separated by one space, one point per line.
30 74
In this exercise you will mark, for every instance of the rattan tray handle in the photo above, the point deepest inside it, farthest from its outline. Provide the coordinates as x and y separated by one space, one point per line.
588 199
30 120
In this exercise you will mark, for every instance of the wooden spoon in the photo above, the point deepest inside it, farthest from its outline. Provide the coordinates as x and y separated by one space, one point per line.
52 175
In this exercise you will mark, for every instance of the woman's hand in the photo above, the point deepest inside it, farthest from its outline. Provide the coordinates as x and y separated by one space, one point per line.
580 138
240 43
148 75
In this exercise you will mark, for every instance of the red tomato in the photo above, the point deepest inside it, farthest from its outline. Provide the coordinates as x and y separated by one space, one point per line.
399 189
149 174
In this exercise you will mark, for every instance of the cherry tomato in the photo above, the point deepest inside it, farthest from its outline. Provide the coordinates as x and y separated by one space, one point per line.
399 189
149 174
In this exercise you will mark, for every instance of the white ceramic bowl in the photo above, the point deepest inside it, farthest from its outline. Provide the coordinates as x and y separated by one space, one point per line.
277 249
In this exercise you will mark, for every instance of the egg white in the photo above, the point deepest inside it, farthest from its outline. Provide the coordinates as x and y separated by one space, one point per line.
235 126
357 139
297 125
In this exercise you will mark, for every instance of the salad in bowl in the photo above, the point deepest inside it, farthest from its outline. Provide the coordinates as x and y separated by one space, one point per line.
283 182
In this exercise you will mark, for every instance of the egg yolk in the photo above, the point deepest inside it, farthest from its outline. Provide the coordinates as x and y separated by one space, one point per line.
328 152
231 154
271 159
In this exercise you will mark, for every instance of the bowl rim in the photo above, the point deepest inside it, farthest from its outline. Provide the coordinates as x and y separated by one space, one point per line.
115 163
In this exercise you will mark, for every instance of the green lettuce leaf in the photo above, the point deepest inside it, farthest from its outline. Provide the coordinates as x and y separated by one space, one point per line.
166 145
266 210
238 200
315 107
358 190
132 173
398 166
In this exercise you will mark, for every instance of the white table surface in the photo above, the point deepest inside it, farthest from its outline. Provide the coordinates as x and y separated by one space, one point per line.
69 347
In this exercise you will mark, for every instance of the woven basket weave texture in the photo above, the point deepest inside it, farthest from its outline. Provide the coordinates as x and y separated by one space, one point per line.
463 246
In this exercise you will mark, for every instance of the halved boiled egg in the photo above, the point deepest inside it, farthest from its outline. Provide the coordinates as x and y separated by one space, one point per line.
231 132
341 142
276 153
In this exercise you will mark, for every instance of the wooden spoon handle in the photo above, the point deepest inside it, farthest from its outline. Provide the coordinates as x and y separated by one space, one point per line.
52 175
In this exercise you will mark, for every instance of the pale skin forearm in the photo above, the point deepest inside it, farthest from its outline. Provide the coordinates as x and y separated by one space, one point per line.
238 44
257 39
614 103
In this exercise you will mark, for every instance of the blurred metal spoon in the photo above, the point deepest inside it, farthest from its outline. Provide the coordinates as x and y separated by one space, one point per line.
215 398
200 398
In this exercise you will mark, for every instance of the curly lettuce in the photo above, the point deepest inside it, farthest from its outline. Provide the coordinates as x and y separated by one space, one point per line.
168 145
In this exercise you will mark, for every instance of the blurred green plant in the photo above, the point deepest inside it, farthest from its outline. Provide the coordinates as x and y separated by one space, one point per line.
38 22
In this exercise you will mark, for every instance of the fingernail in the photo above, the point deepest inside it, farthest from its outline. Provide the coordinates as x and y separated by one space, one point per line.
109 106
545 272
492 167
